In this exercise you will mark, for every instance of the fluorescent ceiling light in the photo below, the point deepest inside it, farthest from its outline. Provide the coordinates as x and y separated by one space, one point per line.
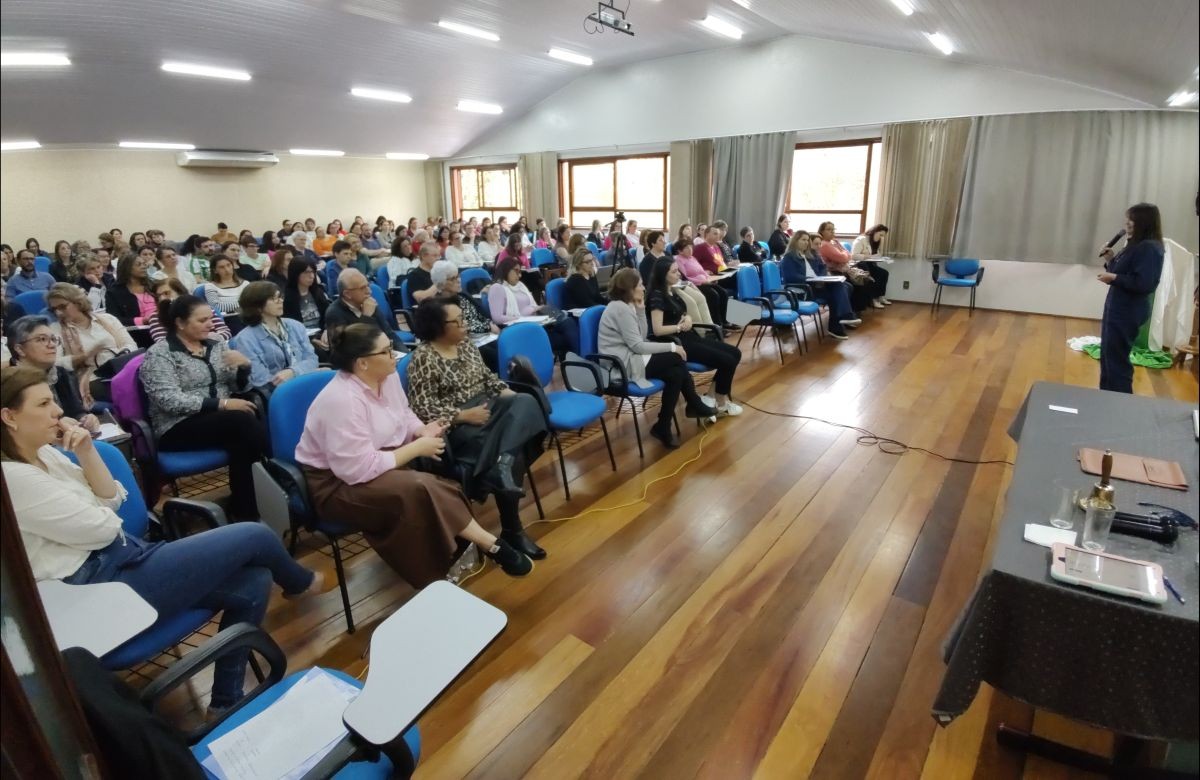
33 59
407 156
1181 98
721 27
316 152
479 107
466 30
155 145
381 94
12 146
567 56
206 71
904 6
941 42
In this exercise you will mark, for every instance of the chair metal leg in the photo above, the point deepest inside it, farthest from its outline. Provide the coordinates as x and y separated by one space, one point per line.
675 419
971 311
741 334
637 429
562 465
537 500
341 577
256 668
803 333
608 444
779 344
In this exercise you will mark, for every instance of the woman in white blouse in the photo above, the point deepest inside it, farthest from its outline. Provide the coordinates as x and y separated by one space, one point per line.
225 288
66 514
89 338
489 246
461 253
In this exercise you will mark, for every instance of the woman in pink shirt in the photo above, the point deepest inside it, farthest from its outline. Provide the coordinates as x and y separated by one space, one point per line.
360 443
515 249
837 260
717 297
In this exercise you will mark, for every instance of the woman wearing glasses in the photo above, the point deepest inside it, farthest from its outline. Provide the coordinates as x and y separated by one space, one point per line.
34 343
130 300
89 339
278 348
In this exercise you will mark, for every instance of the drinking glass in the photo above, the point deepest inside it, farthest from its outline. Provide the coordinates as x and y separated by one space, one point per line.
1096 524
1065 494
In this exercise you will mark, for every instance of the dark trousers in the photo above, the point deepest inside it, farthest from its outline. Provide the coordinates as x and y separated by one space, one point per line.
718 301
879 275
714 354
669 367
837 297
1117 332
862 295
240 434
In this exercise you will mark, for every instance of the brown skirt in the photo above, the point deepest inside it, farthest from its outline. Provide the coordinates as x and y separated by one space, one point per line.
411 518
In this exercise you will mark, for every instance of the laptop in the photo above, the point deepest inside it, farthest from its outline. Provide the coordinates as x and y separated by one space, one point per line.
603 274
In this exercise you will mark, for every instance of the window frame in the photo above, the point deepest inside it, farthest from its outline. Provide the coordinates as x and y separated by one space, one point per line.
456 188
861 213
566 186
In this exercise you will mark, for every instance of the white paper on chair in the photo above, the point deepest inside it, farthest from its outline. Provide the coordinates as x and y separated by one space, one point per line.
109 431
881 259
289 737
537 318
829 278
486 338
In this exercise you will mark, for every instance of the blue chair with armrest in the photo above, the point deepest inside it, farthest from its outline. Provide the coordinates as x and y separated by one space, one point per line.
793 298
963 272
400 320
32 301
749 290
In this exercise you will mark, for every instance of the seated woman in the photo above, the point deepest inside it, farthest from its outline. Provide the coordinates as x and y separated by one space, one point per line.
562 244
277 268
596 234
360 440
35 345
838 261
489 246
94 280
168 261
715 296
225 287
492 431
693 298
778 241
62 262
864 250
168 290
581 289
515 250
190 379
71 532
623 335
448 286
794 269
278 348
509 299
462 252
303 299
89 339
749 251
130 300
669 321
862 287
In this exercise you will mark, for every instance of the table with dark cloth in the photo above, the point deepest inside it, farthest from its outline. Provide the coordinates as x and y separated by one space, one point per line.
1123 665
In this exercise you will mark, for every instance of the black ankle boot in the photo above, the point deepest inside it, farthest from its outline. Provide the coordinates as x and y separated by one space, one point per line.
521 542
666 436
499 478
514 562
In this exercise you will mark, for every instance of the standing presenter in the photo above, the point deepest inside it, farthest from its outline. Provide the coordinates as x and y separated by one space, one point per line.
1131 275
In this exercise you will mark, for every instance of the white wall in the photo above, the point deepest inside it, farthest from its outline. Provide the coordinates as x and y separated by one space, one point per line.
792 83
53 194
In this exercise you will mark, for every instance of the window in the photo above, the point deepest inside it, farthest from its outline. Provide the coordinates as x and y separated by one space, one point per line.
597 188
485 191
834 182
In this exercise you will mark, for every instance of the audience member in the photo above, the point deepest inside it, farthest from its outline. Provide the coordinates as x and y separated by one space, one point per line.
778 242
799 264
62 262
596 235
344 257
420 283
168 261
515 249
489 245
28 278
749 251
225 287
94 280
865 249
33 343
323 241
355 304
303 299
223 234
194 256
89 339
149 259
689 293
277 347
130 300
33 246
708 254
461 252
278 266
401 262
837 260
167 290
448 283
715 296
251 264
581 290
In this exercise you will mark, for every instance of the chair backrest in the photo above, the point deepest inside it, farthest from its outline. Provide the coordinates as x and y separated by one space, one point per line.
381 277
528 339
766 248
605 257
589 330
33 301
748 284
405 296
962 267
289 408
402 369
126 394
541 257
41 264
135 517
381 300
199 292
595 250
555 292
469 276
846 244
771 281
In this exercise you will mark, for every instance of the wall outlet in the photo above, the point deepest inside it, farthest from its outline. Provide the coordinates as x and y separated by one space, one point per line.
906 284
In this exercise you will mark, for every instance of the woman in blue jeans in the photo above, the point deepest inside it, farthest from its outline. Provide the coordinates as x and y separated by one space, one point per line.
68 524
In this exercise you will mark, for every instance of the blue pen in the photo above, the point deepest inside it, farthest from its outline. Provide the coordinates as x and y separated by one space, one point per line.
1174 592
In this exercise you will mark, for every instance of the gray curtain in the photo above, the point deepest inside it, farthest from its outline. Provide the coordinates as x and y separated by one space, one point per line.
920 184
750 180
1052 187
690 196
537 186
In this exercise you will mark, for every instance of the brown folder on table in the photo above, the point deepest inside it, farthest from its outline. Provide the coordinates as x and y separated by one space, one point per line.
1135 468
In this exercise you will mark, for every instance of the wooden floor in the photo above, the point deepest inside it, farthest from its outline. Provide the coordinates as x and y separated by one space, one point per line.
777 609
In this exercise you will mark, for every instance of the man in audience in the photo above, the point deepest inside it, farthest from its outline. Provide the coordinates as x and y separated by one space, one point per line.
310 229
343 258
156 238
366 260
28 278
420 283
223 234
355 304
709 253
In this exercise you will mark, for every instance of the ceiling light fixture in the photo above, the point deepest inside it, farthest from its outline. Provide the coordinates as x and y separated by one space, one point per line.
567 56
904 6
317 152
1182 98
207 71
406 156
474 32
33 59
381 94
721 27
13 146
941 43
156 145
479 107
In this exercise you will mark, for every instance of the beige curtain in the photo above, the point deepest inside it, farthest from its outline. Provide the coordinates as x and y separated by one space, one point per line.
435 192
920 183
537 186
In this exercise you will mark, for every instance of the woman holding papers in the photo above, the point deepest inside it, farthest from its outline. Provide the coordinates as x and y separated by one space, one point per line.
509 300
865 250
798 266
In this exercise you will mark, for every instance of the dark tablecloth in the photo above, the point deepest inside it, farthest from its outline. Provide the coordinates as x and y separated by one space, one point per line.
1120 664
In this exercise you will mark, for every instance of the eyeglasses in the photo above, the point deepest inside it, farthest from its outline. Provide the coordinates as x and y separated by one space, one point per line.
387 351
44 340
456 321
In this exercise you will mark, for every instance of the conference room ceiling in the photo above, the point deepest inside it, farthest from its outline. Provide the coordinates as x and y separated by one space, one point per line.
305 57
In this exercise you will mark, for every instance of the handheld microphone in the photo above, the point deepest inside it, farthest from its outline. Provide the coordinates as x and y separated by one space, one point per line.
1113 241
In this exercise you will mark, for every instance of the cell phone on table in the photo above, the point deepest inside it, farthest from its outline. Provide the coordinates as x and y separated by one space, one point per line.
1108 573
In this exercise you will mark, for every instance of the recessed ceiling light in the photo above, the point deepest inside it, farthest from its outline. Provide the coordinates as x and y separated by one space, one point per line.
12 146
206 71
33 59
155 145
479 107
467 30
941 42
721 27
407 156
904 6
567 56
381 94
1181 98
316 152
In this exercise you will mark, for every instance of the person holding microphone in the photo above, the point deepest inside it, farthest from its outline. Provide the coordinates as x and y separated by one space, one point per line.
1131 275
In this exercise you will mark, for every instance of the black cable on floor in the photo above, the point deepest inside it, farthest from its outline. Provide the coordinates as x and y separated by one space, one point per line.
870 439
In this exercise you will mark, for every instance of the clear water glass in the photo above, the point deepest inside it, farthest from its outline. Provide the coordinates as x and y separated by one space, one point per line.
1096 524
1063 513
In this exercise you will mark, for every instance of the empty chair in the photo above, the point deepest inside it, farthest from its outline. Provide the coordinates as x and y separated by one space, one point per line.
749 290
554 293
33 301
794 299
962 272
474 279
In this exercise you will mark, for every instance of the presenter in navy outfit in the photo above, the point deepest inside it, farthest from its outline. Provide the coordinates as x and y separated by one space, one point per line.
1131 275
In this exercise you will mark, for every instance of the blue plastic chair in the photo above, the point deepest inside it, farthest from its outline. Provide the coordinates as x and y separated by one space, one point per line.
199 291
542 258
963 272
41 264
619 386
749 290
567 409
555 291
469 276
766 250
402 370
33 301
381 277
772 282
595 250
393 315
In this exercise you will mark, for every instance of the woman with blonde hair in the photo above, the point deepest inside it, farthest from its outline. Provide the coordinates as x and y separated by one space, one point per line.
89 338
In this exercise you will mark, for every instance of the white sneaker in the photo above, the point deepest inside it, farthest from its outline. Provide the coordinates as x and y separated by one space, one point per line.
854 323
838 336
875 304
708 399
885 301
730 409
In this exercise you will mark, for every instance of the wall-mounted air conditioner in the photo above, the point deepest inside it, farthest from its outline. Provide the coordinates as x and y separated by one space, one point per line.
203 158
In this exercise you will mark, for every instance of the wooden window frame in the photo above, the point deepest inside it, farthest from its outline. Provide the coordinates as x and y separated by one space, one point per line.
566 188
861 213
456 189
